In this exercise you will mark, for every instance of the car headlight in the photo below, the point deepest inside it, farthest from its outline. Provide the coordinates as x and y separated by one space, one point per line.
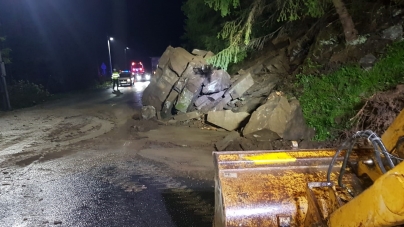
147 76
128 80
138 77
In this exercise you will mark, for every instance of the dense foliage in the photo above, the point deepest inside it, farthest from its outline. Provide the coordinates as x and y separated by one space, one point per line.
202 26
328 101
243 23
25 94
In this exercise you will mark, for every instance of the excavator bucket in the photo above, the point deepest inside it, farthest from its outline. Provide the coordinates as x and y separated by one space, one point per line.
290 188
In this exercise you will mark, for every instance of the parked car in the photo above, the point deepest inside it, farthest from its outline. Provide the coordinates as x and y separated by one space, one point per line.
126 78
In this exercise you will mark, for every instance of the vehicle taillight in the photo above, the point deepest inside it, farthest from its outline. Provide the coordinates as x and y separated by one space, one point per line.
133 63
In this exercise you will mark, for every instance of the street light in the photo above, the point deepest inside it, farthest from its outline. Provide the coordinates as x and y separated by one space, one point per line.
109 51
126 59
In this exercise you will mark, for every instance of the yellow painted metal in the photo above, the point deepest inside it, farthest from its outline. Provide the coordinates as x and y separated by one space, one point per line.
268 193
287 188
395 130
380 205
373 172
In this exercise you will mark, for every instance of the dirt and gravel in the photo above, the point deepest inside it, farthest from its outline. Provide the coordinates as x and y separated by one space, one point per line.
55 157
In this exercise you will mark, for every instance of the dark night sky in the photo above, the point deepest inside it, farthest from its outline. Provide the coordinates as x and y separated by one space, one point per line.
68 38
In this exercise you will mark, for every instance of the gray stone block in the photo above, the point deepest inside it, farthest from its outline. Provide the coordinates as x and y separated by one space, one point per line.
224 143
240 86
216 81
227 119
273 115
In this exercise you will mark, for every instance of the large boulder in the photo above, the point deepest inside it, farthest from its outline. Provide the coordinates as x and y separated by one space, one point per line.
165 57
278 118
238 88
296 128
216 81
175 82
227 119
273 115
179 59
190 93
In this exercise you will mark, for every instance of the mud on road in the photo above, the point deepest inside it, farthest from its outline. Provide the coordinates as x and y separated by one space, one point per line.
84 161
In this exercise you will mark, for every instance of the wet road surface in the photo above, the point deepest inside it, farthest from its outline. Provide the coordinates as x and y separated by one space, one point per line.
82 185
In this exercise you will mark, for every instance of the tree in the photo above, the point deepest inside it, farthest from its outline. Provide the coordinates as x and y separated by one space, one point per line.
346 20
239 34
202 24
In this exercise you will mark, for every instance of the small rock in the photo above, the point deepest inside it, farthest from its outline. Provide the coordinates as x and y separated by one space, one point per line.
367 62
148 112
187 116
57 222
393 33
172 122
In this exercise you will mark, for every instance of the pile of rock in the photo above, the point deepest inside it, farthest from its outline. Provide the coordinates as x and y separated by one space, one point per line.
185 87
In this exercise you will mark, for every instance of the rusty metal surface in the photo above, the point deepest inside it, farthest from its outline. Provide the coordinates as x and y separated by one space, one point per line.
269 188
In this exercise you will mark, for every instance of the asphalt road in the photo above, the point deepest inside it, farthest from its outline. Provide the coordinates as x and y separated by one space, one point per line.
77 162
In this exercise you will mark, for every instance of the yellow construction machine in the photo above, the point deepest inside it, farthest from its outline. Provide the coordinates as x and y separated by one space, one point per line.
348 186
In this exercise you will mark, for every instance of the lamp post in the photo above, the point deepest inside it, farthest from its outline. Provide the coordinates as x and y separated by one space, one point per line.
3 85
126 59
109 52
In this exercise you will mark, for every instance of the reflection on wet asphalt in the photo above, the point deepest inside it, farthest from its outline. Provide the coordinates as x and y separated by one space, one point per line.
80 187
131 96
88 199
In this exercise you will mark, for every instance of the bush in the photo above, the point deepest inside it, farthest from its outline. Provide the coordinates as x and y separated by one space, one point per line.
329 101
25 94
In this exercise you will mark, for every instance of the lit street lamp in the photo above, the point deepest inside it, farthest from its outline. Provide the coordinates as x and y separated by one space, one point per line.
109 51
126 59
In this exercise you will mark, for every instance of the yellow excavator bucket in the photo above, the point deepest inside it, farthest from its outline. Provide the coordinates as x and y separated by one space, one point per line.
290 188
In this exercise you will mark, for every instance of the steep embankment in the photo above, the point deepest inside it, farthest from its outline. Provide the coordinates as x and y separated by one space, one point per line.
342 88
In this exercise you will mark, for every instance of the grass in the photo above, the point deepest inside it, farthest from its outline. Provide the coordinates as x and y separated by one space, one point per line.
329 101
